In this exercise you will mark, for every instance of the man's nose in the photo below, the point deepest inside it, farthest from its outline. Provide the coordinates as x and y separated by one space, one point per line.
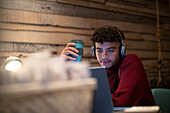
105 54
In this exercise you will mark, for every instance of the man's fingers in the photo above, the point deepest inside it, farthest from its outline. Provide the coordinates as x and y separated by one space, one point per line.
70 44
67 52
68 57
72 49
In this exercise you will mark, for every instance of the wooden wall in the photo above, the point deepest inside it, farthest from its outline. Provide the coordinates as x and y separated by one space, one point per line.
26 26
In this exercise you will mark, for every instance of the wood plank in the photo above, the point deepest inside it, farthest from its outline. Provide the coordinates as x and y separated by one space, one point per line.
94 5
165 26
6 47
100 1
166 63
165 45
153 63
32 47
6 54
166 70
27 47
41 37
26 27
131 35
73 10
61 9
151 69
155 70
68 21
140 3
64 38
148 37
144 54
149 4
146 45
155 75
166 55
134 8
86 57
88 4
164 31
149 63
45 28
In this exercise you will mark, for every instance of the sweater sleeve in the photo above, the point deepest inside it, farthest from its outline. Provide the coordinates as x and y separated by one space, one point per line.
132 84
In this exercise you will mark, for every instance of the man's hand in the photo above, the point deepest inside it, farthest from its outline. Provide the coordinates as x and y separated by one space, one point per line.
70 50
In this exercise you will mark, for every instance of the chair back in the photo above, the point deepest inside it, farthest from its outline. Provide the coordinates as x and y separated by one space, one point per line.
162 99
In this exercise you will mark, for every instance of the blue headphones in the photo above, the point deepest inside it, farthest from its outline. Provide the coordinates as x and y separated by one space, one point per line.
122 47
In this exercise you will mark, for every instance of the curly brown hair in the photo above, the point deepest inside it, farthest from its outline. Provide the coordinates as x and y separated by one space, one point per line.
107 34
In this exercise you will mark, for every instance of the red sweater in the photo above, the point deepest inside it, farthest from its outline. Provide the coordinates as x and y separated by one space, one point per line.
132 88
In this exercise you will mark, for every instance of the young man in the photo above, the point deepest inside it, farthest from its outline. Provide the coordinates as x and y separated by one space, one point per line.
126 75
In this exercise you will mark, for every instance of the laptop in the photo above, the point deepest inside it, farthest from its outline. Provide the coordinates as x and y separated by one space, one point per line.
102 102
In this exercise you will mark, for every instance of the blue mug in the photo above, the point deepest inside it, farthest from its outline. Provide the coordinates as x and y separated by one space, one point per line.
79 46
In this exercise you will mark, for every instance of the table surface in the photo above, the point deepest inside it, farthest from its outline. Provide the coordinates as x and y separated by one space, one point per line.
137 109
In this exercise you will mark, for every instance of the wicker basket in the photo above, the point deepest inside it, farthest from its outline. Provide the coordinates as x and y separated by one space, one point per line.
55 97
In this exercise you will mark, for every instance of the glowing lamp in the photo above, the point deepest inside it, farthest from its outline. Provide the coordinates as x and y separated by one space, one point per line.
12 63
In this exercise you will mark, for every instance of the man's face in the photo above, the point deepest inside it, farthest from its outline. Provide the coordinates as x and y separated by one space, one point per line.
107 53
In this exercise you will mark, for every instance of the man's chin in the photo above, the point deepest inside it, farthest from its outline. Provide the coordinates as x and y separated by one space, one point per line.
105 66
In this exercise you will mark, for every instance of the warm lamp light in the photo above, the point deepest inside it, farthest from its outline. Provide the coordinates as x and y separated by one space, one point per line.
12 63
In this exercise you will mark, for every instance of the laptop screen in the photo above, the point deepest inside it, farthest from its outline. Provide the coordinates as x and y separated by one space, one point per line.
102 102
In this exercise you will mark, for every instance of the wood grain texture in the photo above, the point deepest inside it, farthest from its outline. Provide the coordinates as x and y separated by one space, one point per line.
68 21
63 38
41 37
59 8
118 9
135 8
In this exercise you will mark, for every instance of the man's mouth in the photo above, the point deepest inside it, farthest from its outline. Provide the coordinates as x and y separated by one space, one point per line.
105 62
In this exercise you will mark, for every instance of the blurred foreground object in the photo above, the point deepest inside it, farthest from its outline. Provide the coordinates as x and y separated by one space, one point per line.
42 67
46 84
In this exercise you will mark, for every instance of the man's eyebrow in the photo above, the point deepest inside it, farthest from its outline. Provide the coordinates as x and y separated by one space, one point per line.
98 48
111 48
107 48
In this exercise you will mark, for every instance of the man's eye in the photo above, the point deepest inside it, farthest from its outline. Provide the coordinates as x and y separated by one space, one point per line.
99 51
111 50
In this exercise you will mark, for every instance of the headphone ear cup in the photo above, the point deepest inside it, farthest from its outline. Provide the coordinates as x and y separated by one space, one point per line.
123 50
93 50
